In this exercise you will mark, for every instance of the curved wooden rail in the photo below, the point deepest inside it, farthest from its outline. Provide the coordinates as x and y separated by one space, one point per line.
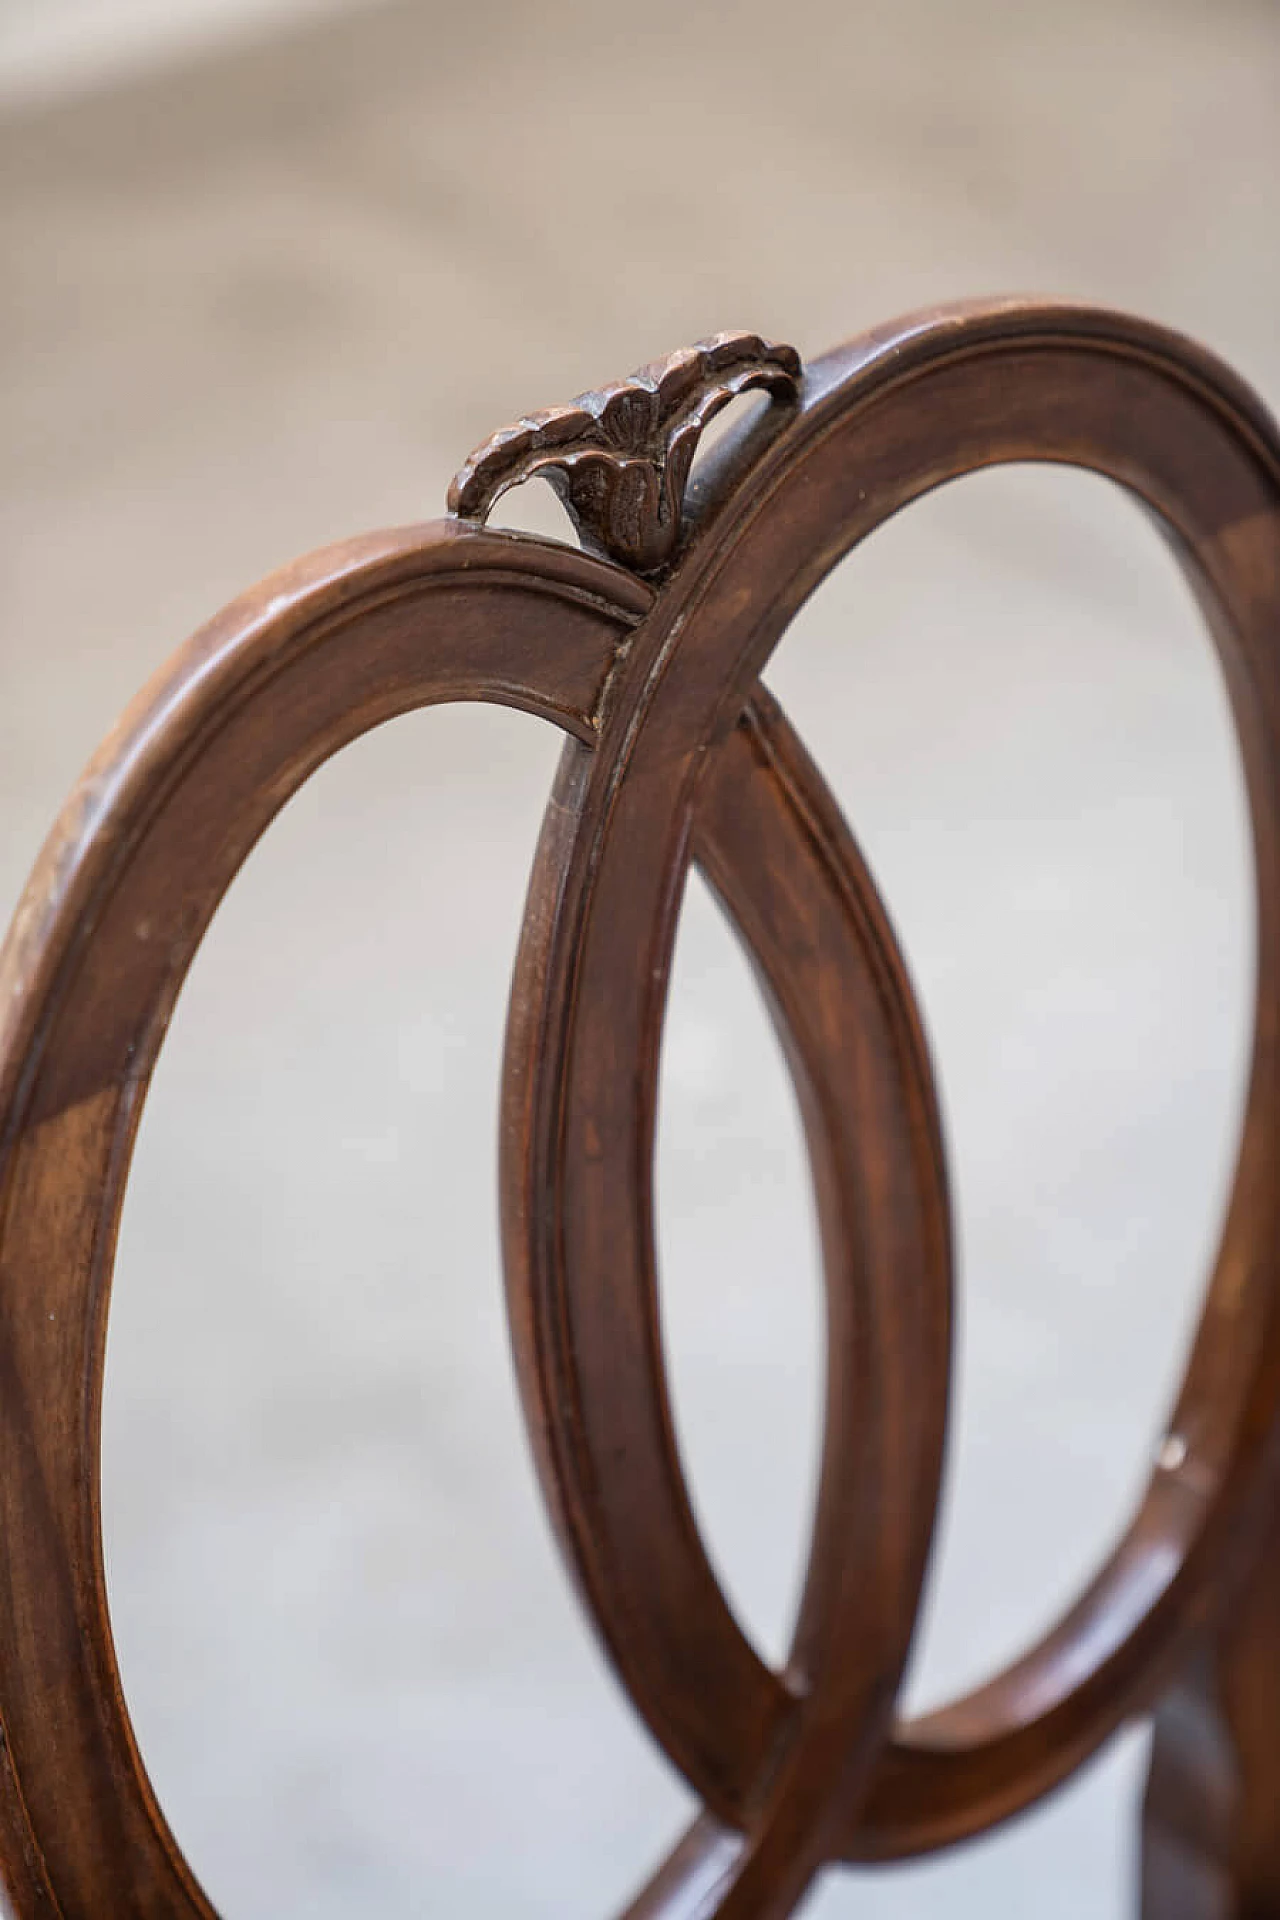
675 753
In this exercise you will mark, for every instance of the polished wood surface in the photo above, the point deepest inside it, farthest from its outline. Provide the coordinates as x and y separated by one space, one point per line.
647 652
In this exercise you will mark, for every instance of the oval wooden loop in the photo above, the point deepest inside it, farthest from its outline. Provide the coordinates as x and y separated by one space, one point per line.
881 422
106 930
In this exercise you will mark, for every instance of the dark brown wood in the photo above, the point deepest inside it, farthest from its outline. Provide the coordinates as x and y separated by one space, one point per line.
675 752
1211 1817
619 458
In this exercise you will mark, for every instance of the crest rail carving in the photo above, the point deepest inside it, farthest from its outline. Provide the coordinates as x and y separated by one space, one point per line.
619 458
647 651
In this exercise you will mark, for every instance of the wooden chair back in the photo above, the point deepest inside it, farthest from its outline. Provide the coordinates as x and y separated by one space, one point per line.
646 649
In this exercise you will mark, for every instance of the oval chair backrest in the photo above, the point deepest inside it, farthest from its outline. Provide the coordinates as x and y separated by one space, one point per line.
646 649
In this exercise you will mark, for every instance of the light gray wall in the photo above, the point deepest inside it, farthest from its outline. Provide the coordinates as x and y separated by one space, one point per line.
52 48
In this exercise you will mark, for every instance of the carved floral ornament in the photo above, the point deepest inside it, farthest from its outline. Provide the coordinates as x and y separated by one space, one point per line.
619 457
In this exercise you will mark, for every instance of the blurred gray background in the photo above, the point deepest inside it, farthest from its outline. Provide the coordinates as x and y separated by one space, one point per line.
268 272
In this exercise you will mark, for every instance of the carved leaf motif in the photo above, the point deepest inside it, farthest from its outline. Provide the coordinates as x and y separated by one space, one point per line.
619 458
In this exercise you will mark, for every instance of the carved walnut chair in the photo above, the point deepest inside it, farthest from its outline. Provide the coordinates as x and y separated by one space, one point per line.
646 649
